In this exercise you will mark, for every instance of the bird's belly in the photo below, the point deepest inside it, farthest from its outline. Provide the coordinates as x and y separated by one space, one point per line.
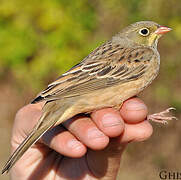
110 97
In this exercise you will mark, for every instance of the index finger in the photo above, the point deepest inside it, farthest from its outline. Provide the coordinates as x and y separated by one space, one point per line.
134 110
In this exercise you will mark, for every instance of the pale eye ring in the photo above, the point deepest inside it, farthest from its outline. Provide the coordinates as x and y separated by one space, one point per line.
144 32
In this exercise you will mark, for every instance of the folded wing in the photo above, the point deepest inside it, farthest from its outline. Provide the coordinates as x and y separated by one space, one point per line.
105 66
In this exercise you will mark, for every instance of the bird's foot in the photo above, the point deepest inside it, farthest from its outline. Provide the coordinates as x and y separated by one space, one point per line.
161 117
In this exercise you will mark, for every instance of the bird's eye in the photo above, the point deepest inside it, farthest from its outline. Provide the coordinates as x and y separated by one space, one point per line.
144 32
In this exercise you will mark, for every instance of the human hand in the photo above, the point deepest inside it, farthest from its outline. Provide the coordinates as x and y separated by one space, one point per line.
82 147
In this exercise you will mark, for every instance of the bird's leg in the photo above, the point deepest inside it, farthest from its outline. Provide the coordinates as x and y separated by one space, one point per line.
161 117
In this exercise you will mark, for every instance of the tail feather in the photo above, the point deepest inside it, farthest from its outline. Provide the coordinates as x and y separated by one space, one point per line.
34 136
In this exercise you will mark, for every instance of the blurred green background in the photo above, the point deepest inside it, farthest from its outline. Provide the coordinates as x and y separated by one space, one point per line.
39 40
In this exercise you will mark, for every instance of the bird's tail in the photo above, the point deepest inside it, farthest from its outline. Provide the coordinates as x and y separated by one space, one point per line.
44 124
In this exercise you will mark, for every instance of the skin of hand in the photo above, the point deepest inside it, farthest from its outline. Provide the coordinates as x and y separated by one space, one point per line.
82 147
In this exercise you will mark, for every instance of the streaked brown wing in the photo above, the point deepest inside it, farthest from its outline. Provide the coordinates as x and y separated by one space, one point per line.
106 66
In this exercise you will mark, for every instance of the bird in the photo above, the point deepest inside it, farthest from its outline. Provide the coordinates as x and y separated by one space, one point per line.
115 71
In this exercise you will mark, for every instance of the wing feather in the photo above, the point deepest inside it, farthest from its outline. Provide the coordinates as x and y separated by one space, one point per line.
106 66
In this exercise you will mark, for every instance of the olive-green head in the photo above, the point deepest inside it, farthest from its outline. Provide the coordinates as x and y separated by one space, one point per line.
144 33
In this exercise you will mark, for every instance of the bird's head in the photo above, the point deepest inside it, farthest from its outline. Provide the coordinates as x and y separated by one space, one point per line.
144 33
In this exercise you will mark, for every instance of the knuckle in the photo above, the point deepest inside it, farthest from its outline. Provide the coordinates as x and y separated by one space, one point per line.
24 111
20 112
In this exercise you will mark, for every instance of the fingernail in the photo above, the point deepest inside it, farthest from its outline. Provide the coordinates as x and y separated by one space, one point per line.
109 120
74 144
135 105
94 133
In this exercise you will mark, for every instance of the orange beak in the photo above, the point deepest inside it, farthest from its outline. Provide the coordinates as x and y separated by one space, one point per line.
162 30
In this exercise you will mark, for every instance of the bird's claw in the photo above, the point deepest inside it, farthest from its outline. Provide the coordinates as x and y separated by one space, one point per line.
161 116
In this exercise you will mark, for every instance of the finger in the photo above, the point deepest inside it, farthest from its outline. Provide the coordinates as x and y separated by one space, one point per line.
137 132
109 121
28 116
63 142
87 132
25 120
134 110
56 138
